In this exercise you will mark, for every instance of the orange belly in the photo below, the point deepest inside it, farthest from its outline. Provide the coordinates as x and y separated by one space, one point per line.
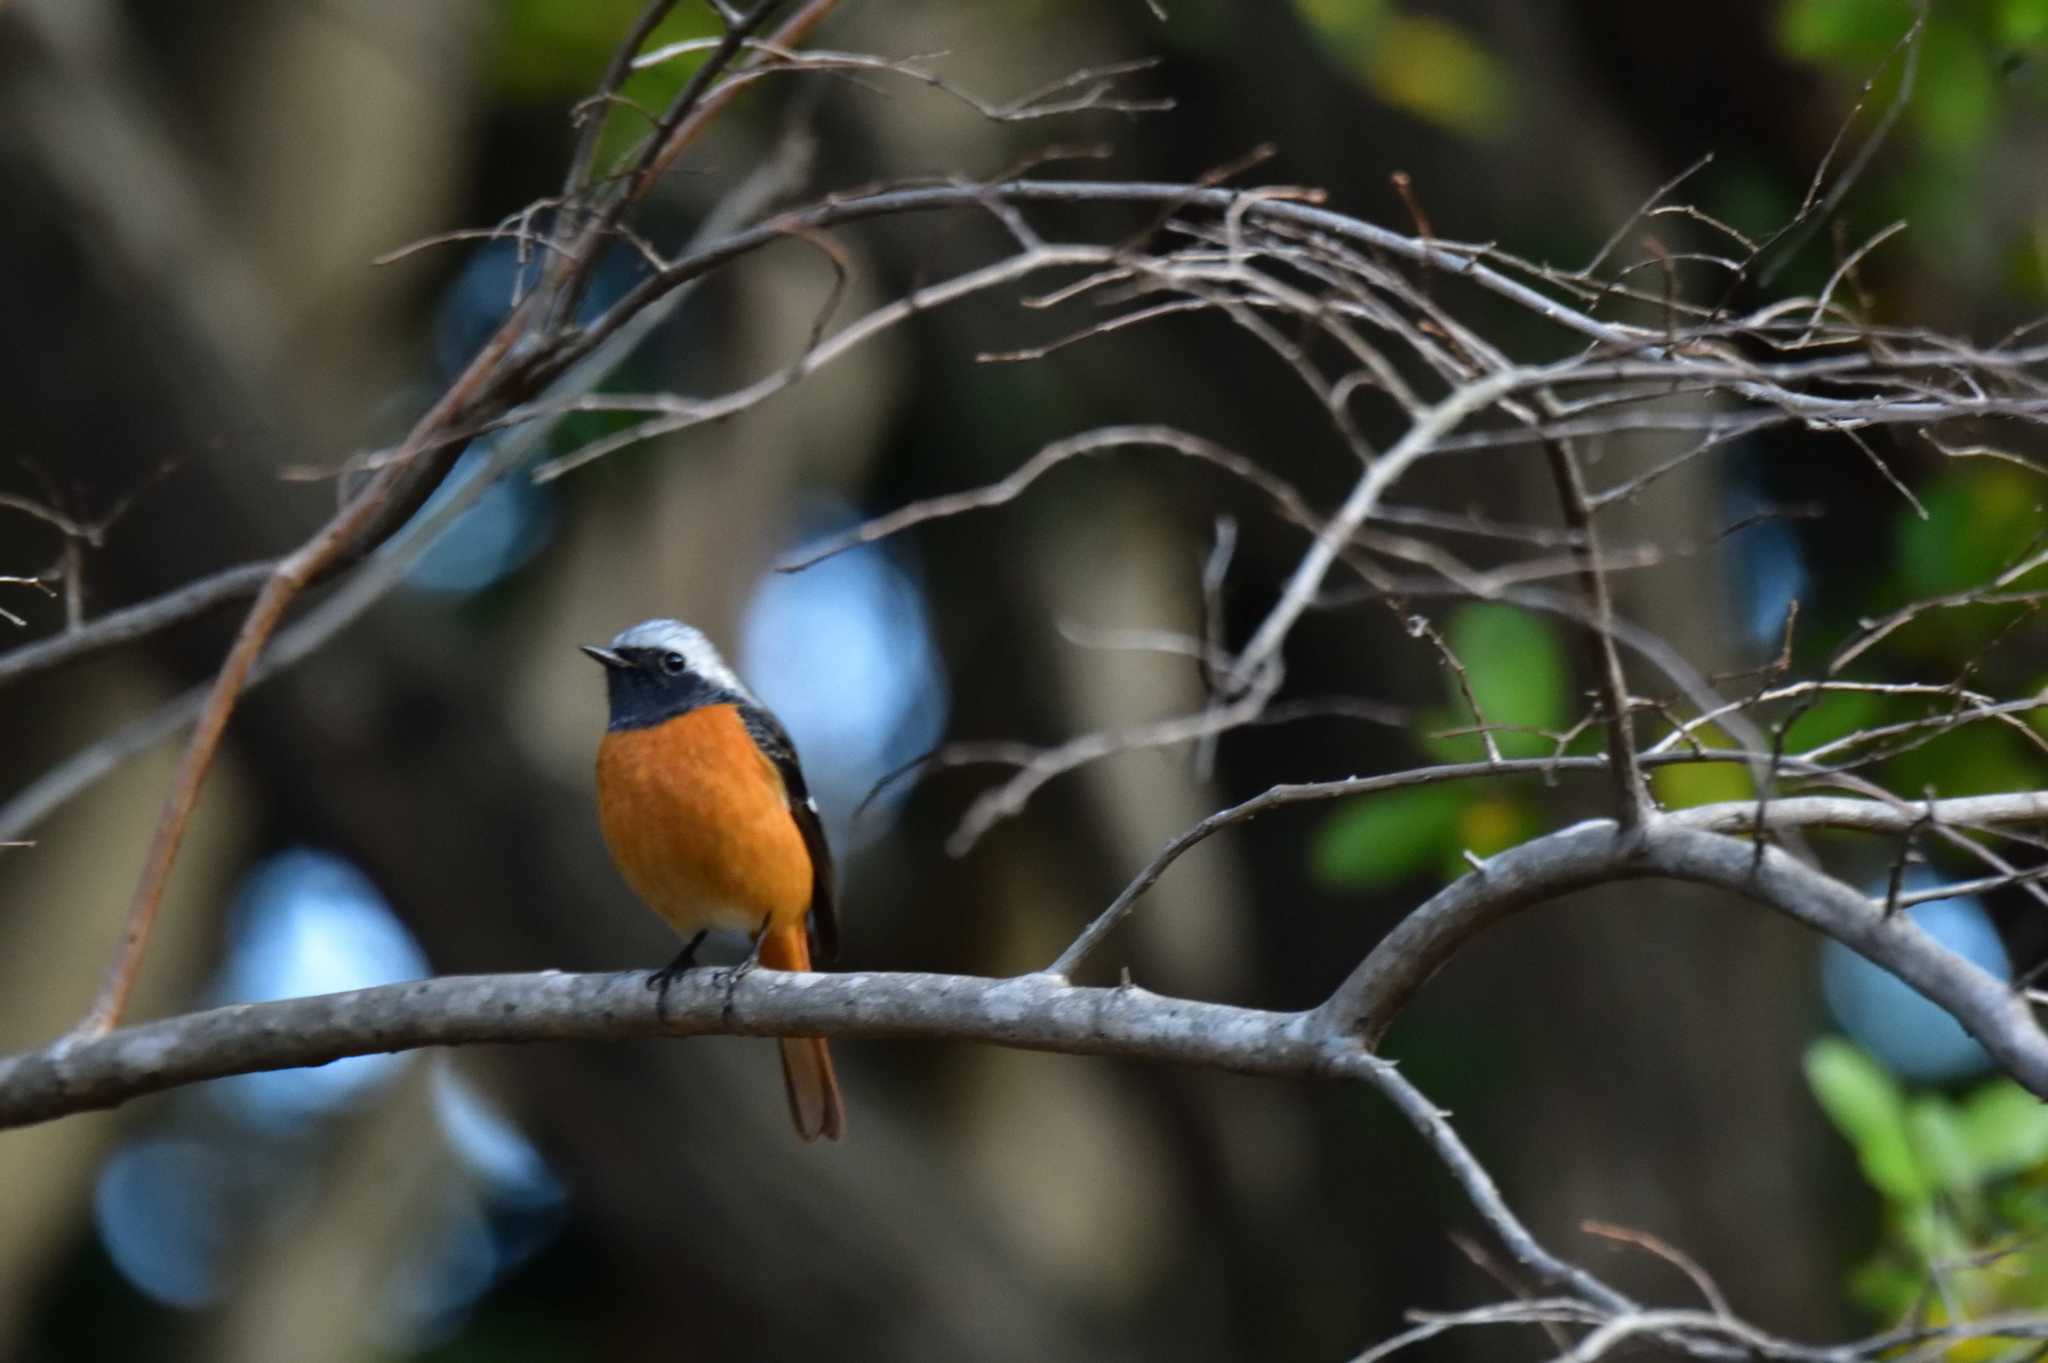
699 822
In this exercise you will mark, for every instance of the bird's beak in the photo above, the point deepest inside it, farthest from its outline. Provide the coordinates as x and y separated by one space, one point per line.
605 656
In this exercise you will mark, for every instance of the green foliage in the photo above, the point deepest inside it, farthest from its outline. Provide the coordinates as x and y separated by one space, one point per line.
1978 522
1981 521
2023 23
1422 65
1518 675
1980 759
1961 1179
2005 1129
1956 110
1836 714
1956 91
552 51
1486 825
1843 31
1868 1107
1977 59
1381 840
1686 784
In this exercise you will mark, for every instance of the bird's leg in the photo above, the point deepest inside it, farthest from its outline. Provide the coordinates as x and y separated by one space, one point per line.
661 979
746 967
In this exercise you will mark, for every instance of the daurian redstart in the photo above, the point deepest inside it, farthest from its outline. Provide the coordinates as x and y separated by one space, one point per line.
704 808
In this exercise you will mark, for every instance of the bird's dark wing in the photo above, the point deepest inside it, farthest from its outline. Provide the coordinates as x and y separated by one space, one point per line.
773 741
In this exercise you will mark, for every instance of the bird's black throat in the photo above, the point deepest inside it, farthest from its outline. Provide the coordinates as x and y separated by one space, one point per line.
644 695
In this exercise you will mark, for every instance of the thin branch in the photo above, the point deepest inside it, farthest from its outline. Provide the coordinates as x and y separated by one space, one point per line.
1815 210
1352 787
1096 84
134 622
593 112
1592 267
1418 627
1009 798
1009 488
1670 1254
686 413
1380 475
1631 794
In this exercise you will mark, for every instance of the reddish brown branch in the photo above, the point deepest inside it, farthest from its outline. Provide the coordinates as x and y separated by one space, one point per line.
334 543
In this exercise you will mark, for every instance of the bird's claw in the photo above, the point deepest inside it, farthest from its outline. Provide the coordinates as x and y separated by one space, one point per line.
733 976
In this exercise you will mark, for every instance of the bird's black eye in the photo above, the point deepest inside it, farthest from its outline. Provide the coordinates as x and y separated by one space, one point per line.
673 664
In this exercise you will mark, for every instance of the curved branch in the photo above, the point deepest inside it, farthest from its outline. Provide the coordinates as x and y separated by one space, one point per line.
1284 497
685 413
1597 853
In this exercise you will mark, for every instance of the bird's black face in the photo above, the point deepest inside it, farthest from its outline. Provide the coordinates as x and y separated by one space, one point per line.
649 685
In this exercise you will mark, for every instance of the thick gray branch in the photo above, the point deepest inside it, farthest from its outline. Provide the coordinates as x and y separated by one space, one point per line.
1039 1012
1042 1011
1599 853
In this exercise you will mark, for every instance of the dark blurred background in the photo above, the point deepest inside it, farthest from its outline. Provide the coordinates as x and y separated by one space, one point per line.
192 196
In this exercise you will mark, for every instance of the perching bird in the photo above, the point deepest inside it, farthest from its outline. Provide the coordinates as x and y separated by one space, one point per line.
705 810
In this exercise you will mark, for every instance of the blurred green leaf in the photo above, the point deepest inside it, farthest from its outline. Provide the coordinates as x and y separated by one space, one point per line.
1687 784
1978 521
1517 672
1956 93
1486 825
1941 1146
1429 68
1978 759
1381 840
2026 261
1842 31
2022 22
2005 1129
1956 98
1866 1106
1887 1287
1493 824
1837 714
1345 27
2037 720
1422 65
556 49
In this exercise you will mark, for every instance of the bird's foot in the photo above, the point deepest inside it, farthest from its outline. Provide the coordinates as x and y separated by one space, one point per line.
661 979
735 974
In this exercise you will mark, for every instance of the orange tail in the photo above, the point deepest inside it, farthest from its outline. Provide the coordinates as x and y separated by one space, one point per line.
807 1076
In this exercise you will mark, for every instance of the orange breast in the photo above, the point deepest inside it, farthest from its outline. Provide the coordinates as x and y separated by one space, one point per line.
699 822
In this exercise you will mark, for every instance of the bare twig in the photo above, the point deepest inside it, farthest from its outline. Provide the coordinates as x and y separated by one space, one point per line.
1008 489
134 622
1631 794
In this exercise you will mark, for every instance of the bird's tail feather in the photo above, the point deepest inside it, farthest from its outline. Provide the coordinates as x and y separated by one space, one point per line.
814 1103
